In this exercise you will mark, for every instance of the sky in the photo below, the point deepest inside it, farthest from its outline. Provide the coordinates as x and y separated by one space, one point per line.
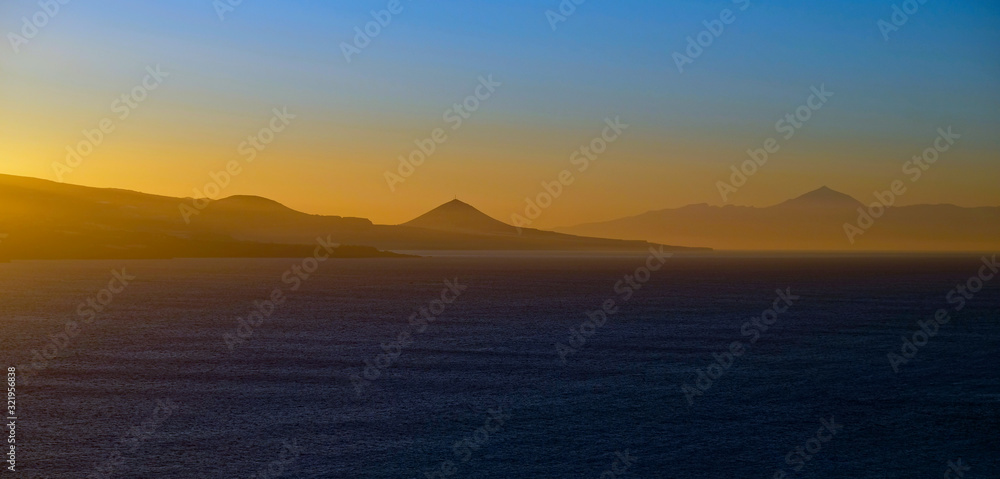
556 80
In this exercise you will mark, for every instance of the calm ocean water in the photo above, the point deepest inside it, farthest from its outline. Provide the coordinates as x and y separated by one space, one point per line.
149 388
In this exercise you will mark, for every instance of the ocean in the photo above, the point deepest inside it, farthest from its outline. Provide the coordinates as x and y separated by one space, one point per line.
703 366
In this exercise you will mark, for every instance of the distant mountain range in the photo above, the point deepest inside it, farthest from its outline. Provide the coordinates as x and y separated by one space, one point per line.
48 220
42 219
814 221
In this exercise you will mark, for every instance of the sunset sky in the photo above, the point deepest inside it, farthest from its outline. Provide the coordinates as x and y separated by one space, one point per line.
354 119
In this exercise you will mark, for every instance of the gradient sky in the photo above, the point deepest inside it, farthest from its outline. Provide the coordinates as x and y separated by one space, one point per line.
610 58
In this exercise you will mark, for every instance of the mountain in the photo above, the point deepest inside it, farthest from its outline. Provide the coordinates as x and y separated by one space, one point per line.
452 226
42 219
485 232
822 198
460 217
814 221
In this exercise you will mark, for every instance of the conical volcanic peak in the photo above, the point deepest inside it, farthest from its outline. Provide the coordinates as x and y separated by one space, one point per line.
823 198
251 203
456 215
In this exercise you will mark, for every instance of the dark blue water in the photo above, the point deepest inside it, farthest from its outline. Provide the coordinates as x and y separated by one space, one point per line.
492 353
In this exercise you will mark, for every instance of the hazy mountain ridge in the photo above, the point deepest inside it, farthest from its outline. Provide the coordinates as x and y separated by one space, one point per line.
813 221
49 220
